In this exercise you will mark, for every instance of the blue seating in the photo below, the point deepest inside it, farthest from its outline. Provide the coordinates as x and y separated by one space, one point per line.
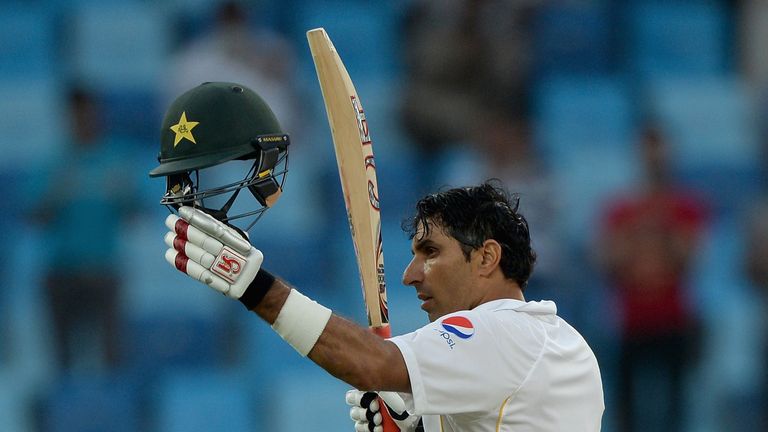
161 341
677 38
106 34
734 364
345 279
710 121
399 177
712 128
27 42
292 233
14 400
260 348
363 34
572 38
133 114
315 394
27 348
592 177
203 400
719 262
32 116
92 404
582 114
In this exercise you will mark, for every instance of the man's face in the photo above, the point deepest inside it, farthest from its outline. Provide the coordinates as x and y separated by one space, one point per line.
443 278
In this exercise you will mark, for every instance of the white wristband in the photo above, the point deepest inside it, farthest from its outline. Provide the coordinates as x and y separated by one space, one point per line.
301 321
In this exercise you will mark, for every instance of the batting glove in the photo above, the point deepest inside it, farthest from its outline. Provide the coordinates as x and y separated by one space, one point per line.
211 252
366 406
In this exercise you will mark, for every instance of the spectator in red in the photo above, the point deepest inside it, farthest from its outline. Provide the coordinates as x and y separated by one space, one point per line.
648 243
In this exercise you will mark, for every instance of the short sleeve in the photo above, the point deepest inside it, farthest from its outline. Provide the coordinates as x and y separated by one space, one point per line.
465 362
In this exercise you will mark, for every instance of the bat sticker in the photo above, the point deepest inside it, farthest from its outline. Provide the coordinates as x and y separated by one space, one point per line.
362 123
372 197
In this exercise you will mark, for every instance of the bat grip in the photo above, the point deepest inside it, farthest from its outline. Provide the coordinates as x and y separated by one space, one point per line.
387 423
383 331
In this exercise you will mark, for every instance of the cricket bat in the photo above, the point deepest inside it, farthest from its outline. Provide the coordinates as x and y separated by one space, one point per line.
357 172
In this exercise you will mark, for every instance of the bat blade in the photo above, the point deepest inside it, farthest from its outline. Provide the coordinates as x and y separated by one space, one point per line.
357 172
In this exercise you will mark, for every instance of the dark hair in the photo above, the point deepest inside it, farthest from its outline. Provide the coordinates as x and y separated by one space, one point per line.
475 214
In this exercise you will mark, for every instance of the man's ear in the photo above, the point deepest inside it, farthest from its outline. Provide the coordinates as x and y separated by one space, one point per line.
490 257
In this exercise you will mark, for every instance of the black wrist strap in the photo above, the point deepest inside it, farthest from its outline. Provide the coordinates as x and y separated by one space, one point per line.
257 289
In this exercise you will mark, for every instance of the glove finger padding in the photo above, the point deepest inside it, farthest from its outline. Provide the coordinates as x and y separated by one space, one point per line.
215 229
211 252
183 230
196 271
190 250
362 399
364 411
366 427
358 414
353 397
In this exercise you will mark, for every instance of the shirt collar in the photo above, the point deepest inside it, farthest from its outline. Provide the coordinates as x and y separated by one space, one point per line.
542 307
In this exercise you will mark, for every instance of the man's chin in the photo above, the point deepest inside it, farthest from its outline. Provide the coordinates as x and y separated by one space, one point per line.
433 316
429 307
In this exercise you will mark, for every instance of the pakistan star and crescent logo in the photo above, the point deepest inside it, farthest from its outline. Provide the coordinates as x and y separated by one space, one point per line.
183 129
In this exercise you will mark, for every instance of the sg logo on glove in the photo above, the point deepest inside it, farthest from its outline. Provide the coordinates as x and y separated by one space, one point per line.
210 251
228 264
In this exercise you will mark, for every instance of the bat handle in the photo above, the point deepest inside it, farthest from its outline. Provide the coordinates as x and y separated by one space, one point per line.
383 331
387 423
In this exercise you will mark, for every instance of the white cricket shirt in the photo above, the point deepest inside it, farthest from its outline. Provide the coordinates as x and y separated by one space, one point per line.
506 365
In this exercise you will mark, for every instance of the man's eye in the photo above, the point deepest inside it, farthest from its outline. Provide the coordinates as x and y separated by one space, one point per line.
430 250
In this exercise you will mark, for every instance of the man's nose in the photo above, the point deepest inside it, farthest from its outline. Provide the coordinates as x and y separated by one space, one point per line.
412 273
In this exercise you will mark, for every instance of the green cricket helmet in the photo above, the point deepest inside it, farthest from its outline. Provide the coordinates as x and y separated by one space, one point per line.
209 128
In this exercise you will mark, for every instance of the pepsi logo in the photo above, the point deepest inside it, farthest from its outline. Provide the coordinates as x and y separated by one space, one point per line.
459 326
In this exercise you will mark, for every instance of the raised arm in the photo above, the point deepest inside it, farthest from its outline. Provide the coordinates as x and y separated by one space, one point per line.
215 254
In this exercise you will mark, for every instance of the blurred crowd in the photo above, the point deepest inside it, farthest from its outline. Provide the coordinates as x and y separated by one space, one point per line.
631 130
